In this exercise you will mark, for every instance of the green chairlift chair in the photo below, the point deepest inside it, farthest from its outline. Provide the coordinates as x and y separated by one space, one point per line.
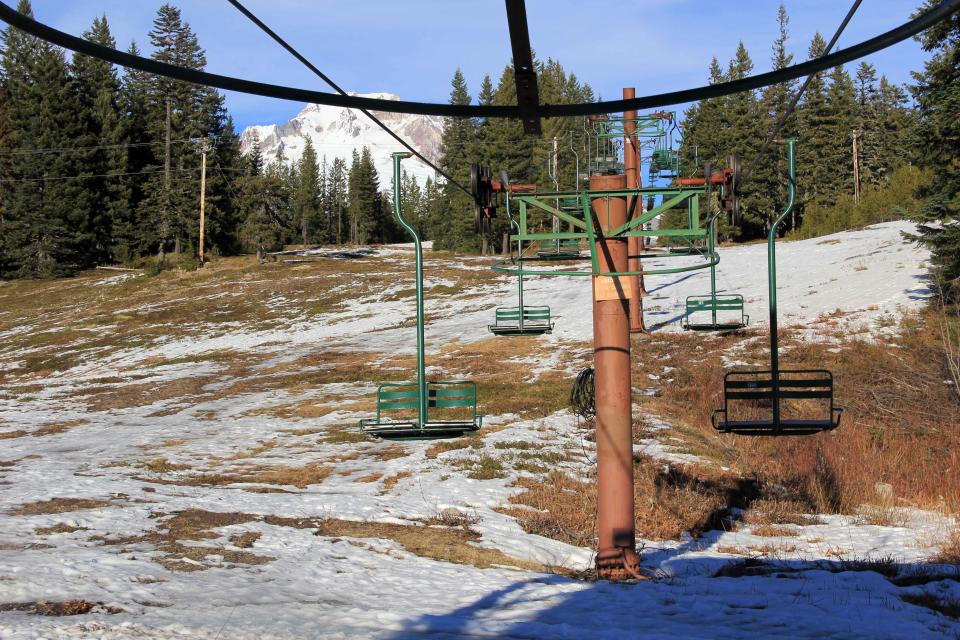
422 409
731 306
521 320
764 391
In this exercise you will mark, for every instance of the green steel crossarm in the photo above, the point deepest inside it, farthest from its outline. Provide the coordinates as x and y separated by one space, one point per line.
653 213
642 233
502 267
616 193
563 215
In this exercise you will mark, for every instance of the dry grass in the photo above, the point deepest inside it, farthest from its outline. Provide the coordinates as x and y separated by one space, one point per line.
438 543
944 604
453 444
245 540
950 549
371 477
60 527
53 428
393 480
898 413
300 477
773 531
390 453
65 608
162 465
6 435
192 525
59 505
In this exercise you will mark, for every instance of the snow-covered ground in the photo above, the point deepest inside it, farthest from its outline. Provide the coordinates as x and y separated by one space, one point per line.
140 465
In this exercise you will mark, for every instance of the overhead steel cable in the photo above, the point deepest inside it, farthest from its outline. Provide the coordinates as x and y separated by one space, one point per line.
333 85
796 98
905 31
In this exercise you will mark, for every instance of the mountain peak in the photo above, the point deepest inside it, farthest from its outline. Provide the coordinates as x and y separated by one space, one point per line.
336 132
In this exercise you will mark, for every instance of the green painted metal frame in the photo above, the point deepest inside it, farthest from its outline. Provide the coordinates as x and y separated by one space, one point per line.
671 198
423 426
714 306
521 328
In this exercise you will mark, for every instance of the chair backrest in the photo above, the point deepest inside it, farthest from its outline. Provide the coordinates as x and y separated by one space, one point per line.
804 384
512 314
392 396
733 302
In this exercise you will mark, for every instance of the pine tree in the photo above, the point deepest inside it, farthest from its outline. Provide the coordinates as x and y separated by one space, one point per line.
306 197
458 150
337 194
133 235
838 155
937 95
896 123
769 171
180 111
96 90
45 222
814 173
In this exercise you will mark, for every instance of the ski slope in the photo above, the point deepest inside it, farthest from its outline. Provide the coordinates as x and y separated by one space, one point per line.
291 582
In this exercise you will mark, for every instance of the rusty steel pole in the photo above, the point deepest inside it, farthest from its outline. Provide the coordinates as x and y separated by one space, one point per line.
617 558
631 168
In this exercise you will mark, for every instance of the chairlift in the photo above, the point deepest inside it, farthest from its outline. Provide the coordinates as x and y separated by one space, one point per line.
456 401
779 391
521 320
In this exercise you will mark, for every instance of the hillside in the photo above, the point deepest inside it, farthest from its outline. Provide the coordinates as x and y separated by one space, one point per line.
180 458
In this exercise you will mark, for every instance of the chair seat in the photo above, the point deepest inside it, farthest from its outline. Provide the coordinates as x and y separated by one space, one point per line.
410 430
767 428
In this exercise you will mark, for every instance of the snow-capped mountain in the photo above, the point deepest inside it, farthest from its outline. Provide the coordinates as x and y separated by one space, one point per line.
335 132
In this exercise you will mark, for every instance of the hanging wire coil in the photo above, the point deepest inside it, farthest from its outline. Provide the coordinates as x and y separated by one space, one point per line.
582 395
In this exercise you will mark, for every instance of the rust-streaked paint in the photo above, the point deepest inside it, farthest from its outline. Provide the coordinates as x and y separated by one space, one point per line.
616 557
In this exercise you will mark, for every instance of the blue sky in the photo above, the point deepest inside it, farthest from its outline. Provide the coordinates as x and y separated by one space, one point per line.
412 47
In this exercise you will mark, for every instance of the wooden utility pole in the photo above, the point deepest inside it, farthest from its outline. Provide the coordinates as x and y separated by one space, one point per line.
856 166
204 148
165 219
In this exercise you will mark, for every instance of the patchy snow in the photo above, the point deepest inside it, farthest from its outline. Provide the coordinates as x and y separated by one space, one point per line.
337 587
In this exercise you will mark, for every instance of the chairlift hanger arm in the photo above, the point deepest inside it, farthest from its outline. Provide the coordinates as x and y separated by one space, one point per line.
524 75
905 31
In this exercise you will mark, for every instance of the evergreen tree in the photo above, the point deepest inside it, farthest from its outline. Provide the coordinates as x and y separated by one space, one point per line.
133 235
337 197
306 197
814 174
769 171
45 223
458 149
106 197
937 95
838 156
178 112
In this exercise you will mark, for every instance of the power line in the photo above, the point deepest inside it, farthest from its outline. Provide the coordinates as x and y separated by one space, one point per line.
46 150
96 175
296 54
903 32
